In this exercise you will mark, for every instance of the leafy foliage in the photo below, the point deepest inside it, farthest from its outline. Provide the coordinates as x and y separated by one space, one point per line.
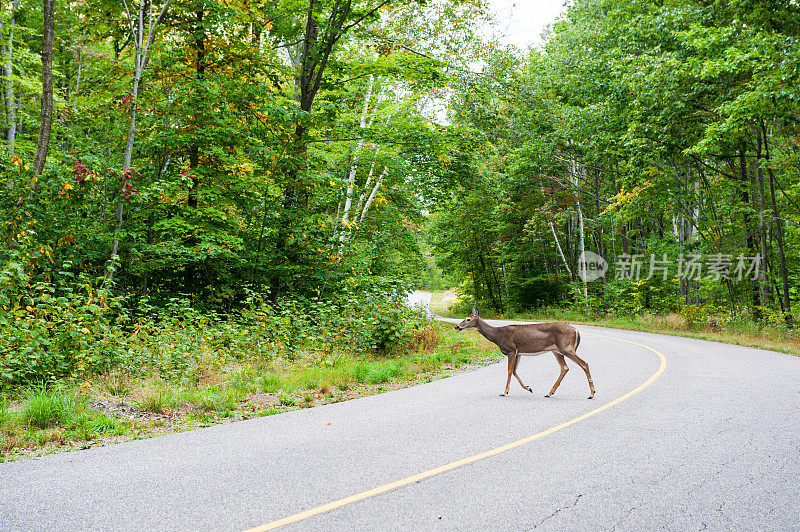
657 129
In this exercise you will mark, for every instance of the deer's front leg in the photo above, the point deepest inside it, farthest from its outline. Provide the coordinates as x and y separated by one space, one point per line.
512 363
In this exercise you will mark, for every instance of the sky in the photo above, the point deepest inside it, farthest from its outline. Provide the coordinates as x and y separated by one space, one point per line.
521 22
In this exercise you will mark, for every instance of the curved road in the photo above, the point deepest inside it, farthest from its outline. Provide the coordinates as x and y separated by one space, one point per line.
713 441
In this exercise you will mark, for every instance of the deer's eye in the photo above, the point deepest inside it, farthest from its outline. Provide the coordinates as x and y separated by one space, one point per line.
469 319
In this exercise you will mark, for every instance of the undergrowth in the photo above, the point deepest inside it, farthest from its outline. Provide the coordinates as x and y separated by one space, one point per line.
218 387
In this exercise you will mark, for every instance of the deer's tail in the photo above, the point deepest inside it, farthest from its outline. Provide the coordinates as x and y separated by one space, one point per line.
577 339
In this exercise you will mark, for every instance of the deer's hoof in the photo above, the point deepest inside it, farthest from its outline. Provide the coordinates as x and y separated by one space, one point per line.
548 395
590 397
503 394
529 389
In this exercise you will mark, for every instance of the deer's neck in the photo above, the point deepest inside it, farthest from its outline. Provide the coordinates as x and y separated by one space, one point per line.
488 332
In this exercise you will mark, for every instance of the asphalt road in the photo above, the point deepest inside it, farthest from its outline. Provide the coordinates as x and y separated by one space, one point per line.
713 442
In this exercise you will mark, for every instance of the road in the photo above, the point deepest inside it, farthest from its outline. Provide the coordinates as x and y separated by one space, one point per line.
710 439
420 298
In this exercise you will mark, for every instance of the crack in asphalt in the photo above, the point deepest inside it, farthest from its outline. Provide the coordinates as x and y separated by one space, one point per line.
558 510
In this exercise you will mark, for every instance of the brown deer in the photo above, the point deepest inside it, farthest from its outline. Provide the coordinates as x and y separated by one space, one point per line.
532 339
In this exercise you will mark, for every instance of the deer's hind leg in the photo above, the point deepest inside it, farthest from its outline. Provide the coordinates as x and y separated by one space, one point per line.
514 372
584 366
564 369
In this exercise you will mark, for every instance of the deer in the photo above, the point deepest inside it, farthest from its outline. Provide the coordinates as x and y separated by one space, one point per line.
532 339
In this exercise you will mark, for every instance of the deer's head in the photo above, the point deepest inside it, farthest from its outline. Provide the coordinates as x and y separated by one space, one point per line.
469 321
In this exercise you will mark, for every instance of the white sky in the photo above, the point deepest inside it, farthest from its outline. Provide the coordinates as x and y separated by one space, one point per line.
521 22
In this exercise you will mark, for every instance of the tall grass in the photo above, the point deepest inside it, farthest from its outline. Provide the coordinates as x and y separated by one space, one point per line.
155 398
45 408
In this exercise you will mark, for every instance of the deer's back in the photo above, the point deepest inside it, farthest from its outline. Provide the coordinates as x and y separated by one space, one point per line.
535 338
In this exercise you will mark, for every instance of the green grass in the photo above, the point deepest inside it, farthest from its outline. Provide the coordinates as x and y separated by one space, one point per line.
44 418
436 360
286 400
6 414
221 401
269 383
116 383
102 424
46 408
156 400
377 373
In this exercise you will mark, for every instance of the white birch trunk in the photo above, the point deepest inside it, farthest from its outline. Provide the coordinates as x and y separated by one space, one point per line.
351 181
11 106
560 251
367 184
140 61
372 195
583 250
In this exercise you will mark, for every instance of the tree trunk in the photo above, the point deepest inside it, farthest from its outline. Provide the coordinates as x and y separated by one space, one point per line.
560 251
190 271
46 114
495 304
351 182
787 307
763 286
744 188
582 271
11 104
140 62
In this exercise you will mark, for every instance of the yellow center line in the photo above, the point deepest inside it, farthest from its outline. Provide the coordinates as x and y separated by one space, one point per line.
464 461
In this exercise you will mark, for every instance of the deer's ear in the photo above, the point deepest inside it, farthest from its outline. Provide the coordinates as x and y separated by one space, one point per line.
475 311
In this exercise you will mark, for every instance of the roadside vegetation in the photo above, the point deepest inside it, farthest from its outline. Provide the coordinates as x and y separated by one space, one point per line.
218 386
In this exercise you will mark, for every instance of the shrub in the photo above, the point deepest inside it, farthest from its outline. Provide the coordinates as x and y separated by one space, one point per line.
424 339
49 331
692 315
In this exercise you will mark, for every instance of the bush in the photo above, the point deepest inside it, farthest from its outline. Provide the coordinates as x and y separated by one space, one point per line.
49 331
74 328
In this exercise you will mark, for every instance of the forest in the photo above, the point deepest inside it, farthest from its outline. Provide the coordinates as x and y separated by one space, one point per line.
660 136
183 178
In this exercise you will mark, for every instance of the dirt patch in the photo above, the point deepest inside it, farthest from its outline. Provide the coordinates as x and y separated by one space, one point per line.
261 399
121 409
